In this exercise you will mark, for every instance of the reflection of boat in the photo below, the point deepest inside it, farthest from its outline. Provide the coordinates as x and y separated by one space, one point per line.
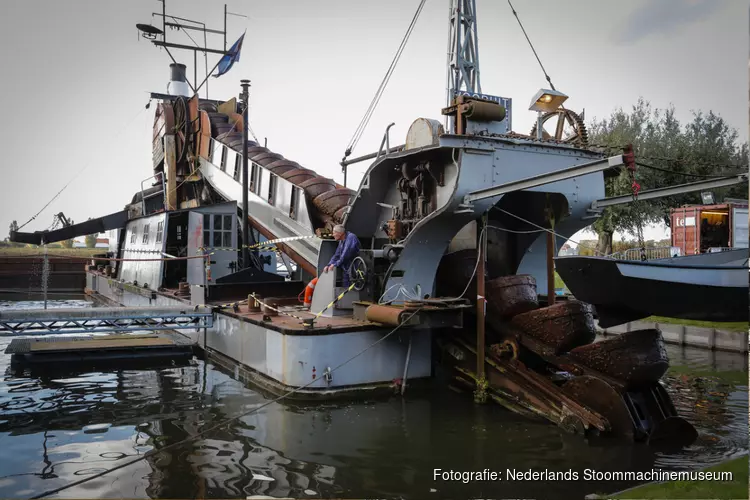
707 287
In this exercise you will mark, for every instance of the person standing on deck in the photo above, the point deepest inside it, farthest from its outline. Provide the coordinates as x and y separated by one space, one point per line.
347 250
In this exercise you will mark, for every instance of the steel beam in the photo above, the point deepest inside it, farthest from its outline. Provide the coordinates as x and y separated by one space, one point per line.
547 178
690 187
188 47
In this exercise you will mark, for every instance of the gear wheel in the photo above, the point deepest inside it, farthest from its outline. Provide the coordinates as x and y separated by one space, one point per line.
569 127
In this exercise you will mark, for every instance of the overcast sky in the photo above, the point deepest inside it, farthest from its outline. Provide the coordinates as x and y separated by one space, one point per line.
76 77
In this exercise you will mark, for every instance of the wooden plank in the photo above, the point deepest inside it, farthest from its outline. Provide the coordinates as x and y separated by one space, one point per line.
100 344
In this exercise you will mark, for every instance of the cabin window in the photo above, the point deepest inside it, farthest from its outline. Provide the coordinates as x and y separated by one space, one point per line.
217 230
271 188
223 158
294 203
256 179
134 235
211 149
145 234
159 232
237 167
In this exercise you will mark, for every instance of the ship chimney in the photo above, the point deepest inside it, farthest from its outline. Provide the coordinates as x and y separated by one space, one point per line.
178 82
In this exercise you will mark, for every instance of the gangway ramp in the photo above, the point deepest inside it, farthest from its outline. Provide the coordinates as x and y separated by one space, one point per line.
103 319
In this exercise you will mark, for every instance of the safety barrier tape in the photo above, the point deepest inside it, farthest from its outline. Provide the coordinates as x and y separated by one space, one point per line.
340 296
263 246
303 320
233 305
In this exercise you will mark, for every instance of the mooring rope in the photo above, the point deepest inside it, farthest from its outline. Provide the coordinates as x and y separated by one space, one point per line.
200 434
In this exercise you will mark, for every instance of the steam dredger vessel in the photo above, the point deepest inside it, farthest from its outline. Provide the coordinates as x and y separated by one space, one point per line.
443 221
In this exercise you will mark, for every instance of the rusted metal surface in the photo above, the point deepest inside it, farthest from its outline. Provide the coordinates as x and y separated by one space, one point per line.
386 315
280 171
332 201
601 397
317 186
509 296
455 271
636 358
563 326
266 159
298 176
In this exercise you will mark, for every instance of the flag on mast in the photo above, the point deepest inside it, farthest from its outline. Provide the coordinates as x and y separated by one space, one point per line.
226 62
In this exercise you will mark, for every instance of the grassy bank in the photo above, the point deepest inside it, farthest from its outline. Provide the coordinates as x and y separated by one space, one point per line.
57 251
736 488
741 326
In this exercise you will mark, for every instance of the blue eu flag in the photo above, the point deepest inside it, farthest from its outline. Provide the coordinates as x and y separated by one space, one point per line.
233 56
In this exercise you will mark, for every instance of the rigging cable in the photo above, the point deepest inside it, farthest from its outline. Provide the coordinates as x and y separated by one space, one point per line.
686 174
79 172
379 93
532 46
155 451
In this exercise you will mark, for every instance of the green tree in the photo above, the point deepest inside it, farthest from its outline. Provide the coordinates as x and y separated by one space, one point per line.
91 239
706 146
68 243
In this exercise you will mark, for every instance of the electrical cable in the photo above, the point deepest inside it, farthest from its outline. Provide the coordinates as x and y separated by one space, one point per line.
224 422
114 140
532 46
379 93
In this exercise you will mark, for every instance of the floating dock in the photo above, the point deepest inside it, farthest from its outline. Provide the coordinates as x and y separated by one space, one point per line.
161 346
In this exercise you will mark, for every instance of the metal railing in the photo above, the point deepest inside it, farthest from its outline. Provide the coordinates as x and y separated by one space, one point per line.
651 253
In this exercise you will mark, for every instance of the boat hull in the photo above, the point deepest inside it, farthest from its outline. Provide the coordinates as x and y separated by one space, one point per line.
624 291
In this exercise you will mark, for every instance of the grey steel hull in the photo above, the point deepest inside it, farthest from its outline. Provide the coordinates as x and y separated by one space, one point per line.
624 291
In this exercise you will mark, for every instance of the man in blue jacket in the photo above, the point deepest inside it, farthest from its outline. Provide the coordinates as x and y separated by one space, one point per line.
347 250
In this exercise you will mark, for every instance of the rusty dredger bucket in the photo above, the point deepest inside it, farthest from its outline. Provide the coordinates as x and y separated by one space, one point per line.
543 363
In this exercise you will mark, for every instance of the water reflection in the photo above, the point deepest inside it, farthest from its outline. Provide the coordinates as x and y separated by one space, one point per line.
59 427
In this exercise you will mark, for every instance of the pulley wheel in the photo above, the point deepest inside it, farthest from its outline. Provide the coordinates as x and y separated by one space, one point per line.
358 273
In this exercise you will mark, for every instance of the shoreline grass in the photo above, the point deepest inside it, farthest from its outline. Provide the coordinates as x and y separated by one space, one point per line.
56 251
736 488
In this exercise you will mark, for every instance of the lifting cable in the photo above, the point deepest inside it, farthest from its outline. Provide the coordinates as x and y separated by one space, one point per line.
155 451
686 174
532 46
80 172
379 93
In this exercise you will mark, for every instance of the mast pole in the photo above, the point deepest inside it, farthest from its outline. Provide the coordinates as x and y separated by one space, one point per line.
245 84
463 51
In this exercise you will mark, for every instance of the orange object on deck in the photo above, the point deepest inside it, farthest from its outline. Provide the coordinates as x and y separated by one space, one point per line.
309 292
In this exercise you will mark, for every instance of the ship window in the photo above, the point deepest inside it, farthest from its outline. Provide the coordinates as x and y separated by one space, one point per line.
145 234
271 188
223 158
257 182
134 234
210 150
237 167
227 239
159 232
228 222
254 178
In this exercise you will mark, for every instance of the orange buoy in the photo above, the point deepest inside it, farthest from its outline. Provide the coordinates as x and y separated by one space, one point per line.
309 292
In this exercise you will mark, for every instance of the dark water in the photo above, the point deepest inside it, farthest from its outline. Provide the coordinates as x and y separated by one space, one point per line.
56 429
